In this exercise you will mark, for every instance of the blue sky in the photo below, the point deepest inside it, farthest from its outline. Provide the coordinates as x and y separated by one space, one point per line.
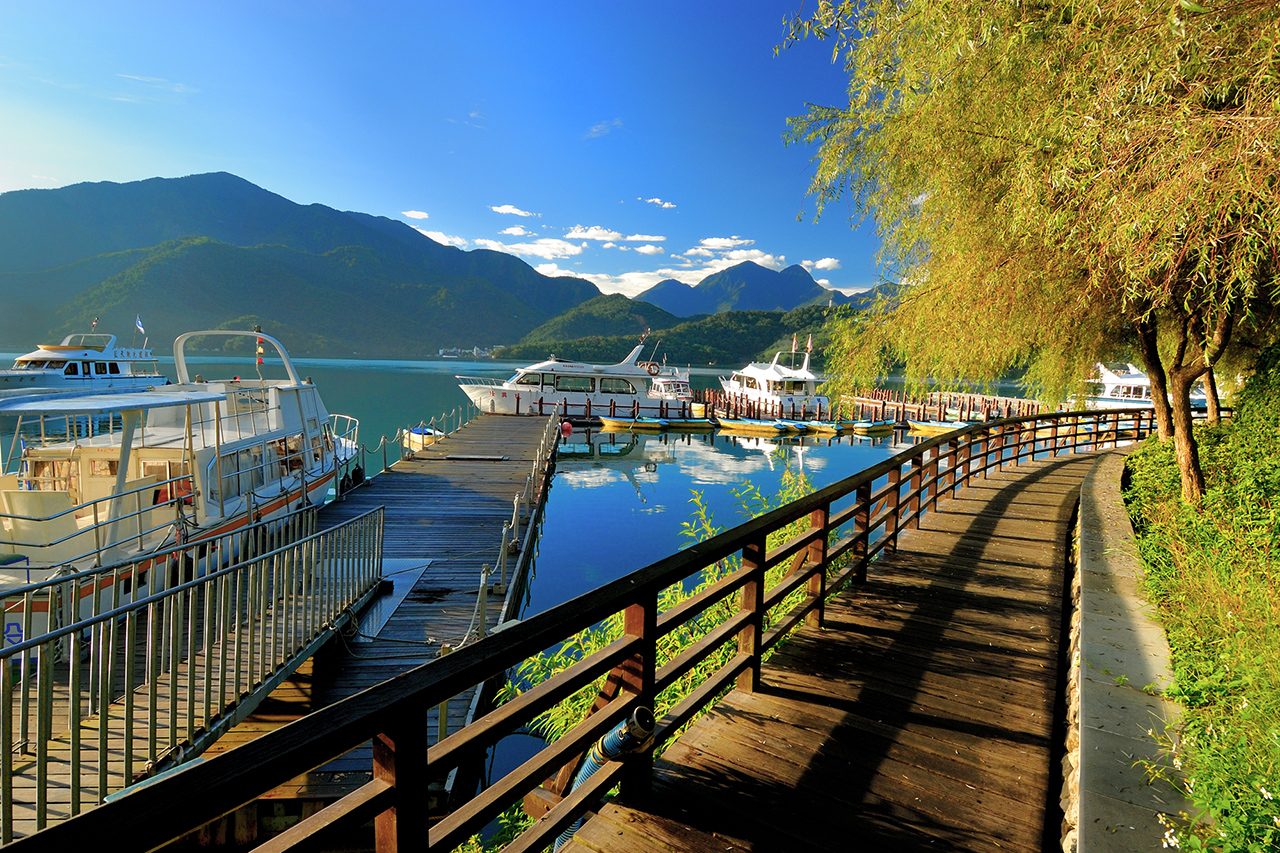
621 142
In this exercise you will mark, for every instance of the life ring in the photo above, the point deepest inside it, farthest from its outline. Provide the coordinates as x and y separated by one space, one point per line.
652 367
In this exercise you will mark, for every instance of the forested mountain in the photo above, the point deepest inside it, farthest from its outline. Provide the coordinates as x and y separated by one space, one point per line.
604 316
217 251
728 339
744 287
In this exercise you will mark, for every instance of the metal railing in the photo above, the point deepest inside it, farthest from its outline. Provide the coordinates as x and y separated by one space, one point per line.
141 685
820 543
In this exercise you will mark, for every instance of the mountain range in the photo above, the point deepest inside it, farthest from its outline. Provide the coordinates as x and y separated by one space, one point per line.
216 251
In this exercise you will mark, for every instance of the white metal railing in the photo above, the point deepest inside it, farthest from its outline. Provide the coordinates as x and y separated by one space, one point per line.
144 684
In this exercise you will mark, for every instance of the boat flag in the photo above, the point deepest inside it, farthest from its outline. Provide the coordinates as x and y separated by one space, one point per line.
137 321
259 350
809 346
793 342
94 324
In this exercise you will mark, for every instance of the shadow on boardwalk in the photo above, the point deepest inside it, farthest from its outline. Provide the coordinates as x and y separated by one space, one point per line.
921 716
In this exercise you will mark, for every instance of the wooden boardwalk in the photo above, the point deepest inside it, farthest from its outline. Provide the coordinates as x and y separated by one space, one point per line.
922 716
445 510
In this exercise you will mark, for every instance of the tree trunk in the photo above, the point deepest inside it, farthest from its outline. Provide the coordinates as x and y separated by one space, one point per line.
1214 410
1184 440
1147 345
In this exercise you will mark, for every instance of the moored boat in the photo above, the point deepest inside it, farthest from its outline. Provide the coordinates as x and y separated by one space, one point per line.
81 363
777 390
936 427
98 479
754 426
630 388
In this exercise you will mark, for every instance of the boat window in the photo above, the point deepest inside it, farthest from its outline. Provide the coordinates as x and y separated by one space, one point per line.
315 448
113 368
795 386
616 386
54 365
576 383
312 425
294 451
28 365
749 381
251 468
104 467
100 368
50 475
73 369
529 379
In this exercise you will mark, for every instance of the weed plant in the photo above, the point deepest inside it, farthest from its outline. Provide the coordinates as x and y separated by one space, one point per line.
1214 573
701 526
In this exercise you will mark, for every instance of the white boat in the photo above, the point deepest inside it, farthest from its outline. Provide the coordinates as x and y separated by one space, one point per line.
630 387
101 478
82 362
1126 386
775 390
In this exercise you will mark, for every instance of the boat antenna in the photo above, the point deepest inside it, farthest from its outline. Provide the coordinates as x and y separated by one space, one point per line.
655 349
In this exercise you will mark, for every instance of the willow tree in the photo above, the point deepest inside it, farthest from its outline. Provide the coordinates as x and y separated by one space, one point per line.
1053 182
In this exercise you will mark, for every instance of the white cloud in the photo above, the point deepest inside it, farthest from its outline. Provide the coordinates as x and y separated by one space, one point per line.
514 231
644 238
649 249
610 245
594 232
160 83
544 247
723 243
666 205
824 264
702 253
553 270
414 214
512 209
824 282
602 128
764 259
444 239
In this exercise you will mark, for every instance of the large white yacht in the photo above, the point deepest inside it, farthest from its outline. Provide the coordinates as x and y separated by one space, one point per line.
1126 386
82 362
580 389
94 479
778 390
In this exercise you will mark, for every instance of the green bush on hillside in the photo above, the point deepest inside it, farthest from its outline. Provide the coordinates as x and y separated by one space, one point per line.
1214 573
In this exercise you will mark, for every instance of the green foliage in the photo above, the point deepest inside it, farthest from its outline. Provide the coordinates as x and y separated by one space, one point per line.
613 315
1045 176
1215 575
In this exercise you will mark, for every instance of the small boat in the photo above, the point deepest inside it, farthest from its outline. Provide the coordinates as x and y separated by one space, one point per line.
630 387
82 363
794 426
101 478
690 424
937 427
625 424
868 427
752 425
419 437
776 388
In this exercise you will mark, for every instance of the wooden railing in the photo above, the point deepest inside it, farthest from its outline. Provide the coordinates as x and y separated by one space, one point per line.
844 527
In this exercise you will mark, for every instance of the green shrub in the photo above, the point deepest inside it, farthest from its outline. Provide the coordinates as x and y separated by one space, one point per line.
1214 573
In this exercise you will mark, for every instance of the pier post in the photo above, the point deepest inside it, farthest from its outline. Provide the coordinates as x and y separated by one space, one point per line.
752 602
400 758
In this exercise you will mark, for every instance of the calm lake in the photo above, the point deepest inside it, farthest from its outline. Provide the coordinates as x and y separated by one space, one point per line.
611 509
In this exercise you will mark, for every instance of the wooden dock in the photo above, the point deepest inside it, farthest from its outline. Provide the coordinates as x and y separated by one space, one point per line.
445 511
922 716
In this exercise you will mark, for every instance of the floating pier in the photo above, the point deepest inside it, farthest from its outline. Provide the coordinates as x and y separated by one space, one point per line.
467 501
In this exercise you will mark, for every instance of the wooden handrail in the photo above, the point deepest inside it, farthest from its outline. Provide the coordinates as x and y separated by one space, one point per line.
847 524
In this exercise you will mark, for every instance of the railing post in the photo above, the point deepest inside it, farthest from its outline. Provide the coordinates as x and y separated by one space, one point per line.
913 488
892 521
753 556
638 676
862 529
818 557
400 758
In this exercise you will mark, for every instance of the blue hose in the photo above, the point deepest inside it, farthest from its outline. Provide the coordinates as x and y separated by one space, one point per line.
628 736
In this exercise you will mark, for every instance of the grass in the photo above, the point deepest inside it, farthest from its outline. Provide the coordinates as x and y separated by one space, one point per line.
1214 573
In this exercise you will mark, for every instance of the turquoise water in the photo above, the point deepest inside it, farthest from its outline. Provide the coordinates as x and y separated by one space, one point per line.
616 502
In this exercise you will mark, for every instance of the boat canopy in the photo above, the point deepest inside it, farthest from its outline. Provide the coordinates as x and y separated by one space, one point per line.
103 404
